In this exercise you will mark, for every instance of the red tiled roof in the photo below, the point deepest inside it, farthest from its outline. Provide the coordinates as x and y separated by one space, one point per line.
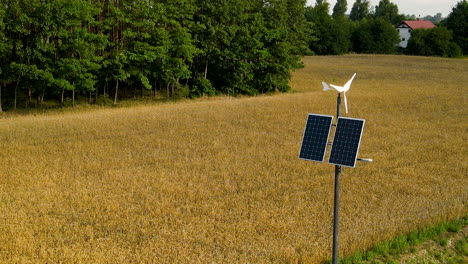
419 24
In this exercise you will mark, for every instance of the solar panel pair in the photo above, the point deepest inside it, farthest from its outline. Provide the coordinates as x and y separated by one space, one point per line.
345 144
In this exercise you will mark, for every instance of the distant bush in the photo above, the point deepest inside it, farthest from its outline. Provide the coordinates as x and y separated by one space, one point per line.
433 42
104 100
375 36
202 87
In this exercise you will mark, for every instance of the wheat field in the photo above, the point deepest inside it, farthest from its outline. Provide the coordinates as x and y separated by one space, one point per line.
218 180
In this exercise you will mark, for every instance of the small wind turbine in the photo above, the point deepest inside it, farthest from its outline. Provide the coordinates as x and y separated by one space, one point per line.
340 89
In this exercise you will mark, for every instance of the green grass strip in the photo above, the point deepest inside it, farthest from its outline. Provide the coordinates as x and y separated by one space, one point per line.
400 244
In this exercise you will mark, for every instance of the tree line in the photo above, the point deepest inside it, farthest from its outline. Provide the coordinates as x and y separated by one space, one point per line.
372 30
103 50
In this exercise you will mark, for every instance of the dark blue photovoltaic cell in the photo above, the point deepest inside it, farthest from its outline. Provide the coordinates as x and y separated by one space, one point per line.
346 141
315 137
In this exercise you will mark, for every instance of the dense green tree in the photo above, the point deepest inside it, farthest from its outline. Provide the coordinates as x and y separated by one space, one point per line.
73 61
339 9
388 11
301 30
360 10
376 36
432 42
18 23
177 21
115 58
252 45
284 42
214 29
457 22
322 22
332 35
341 29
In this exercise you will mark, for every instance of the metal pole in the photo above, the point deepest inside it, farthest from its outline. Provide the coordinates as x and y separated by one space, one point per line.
335 214
337 194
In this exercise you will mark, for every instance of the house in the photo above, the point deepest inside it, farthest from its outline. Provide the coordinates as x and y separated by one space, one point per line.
405 28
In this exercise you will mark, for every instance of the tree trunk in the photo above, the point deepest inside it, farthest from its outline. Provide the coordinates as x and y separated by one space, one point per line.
188 77
42 98
105 86
63 93
206 68
158 87
28 99
167 91
73 97
116 91
1 110
16 91
14 107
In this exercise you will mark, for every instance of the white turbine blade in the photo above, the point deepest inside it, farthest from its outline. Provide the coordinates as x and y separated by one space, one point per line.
325 87
348 83
345 102
338 88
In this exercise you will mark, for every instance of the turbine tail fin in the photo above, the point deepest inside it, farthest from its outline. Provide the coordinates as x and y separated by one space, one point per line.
325 87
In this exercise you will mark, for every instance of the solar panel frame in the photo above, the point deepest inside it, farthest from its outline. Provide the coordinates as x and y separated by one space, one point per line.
346 141
315 137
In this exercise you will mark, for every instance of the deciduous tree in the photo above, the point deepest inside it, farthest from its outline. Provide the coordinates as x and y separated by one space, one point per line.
375 36
360 10
432 42
388 11
457 22
340 8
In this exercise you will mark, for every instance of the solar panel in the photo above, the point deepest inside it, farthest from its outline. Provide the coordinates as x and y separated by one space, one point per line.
315 137
346 141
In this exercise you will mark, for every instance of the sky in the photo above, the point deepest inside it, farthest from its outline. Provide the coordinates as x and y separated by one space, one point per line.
409 7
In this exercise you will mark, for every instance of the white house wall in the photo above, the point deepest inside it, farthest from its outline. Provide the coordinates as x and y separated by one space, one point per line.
405 34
